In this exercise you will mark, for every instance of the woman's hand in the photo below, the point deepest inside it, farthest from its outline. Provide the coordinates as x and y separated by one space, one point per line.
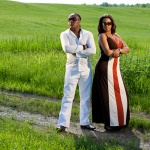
116 53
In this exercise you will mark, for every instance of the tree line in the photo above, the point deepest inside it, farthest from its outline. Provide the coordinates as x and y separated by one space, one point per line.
105 4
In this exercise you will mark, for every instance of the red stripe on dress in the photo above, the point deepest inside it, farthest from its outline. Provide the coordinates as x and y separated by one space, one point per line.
117 94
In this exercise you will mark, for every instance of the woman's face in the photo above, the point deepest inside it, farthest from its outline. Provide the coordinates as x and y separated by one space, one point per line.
107 24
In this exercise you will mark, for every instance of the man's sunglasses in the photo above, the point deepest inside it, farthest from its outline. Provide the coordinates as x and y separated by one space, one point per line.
72 19
107 23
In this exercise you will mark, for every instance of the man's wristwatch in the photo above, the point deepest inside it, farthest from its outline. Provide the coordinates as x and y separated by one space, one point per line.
83 47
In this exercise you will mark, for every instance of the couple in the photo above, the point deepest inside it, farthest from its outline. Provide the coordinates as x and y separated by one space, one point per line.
110 104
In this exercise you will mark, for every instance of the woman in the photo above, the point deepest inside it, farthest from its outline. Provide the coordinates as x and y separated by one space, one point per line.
110 103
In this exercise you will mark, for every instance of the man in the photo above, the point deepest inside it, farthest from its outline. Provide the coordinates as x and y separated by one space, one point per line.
78 44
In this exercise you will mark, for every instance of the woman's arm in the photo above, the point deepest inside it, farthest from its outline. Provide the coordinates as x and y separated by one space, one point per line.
125 49
102 41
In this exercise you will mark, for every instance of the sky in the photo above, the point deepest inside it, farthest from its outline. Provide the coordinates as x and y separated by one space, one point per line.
97 2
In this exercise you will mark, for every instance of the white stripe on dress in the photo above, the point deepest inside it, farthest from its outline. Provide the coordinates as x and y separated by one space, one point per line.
122 93
112 98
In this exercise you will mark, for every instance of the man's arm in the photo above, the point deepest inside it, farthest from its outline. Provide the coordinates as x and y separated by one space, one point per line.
89 48
67 46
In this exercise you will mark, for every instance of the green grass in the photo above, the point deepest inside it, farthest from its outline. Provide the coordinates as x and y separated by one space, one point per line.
140 103
33 61
30 68
24 135
140 123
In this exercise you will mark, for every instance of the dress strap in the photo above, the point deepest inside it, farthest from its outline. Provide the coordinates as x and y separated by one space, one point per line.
116 35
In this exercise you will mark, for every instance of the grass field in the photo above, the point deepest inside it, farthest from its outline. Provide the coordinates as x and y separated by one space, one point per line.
31 47
32 60
26 136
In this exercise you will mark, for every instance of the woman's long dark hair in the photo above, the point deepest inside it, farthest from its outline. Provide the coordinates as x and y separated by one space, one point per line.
100 26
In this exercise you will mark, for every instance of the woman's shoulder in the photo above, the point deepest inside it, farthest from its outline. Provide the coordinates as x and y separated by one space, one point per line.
102 36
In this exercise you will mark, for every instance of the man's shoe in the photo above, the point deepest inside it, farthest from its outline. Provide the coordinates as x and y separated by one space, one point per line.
61 129
89 127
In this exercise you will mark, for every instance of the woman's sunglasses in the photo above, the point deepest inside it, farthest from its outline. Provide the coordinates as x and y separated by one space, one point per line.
107 23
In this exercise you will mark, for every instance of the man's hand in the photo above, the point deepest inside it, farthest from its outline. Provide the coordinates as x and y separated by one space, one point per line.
85 46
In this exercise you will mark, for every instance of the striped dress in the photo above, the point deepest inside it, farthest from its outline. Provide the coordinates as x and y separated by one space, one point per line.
110 100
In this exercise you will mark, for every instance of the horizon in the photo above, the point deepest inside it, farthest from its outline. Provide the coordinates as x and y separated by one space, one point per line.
97 2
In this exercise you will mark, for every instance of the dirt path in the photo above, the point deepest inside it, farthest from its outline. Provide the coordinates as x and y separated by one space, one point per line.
130 139
125 137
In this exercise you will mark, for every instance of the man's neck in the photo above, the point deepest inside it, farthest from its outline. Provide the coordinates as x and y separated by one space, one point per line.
76 31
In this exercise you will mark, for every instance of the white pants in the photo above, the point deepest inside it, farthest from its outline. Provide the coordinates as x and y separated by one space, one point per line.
84 79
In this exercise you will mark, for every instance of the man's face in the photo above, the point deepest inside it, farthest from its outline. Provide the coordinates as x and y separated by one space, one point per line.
73 21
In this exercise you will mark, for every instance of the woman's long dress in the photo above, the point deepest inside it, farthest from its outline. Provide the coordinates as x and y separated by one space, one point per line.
110 102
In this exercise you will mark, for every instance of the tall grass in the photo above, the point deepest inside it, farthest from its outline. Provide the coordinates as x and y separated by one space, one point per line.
28 66
136 69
